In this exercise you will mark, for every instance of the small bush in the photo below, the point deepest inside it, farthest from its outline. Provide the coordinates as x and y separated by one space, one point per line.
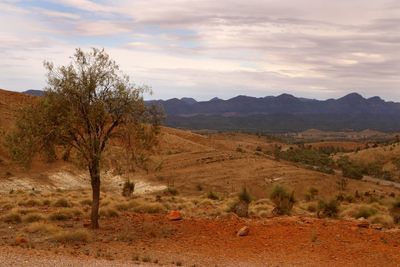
12 218
109 213
46 202
72 236
172 191
212 195
395 211
60 216
328 209
43 228
29 203
148 208
33 217
312 208
62 203
311 194
123 206
385 220
283 201
86 202
245 196
365 212
128 188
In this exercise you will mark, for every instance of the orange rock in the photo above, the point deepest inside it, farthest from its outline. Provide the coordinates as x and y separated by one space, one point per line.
175 215
244 231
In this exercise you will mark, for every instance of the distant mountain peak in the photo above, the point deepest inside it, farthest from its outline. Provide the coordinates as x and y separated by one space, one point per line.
188 100
352 96
34 92
215 99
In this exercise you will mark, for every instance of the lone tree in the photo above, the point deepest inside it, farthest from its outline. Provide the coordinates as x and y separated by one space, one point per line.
86 104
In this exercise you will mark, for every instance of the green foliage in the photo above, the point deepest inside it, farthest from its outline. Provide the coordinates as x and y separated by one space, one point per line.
350 169
282 200
306 155
329 208
245 196
85 104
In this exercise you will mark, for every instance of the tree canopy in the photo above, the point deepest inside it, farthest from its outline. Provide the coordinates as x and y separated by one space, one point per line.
86 104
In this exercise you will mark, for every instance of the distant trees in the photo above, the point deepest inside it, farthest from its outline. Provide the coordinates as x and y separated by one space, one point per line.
86 104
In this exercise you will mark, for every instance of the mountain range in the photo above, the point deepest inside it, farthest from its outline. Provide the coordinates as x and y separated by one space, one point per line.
283 113
277 114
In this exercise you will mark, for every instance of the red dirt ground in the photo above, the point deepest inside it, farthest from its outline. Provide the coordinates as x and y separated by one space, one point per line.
286 241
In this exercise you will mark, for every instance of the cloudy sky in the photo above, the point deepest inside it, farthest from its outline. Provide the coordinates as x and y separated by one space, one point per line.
206 48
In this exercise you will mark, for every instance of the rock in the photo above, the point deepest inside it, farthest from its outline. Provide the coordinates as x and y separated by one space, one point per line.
376 226
20 240
244 231
363 224
175 215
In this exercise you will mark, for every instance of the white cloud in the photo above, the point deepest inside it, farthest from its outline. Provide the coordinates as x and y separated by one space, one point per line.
206 48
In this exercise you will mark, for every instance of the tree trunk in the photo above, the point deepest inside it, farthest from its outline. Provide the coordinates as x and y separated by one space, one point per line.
94 170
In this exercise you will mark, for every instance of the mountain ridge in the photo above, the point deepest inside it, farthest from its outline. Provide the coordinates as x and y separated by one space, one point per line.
282 113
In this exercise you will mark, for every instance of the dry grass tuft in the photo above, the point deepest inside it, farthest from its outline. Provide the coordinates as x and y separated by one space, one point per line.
12 217
33 217
384 219
60 216
109 212
29 203
143 207
42 228
62 203
86 202
72 236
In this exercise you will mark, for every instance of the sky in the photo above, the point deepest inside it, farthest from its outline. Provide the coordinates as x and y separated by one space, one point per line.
212 48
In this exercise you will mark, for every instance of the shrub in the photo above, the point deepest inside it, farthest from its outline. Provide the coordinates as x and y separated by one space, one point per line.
128 188
86 202
62 203
172 191
148 208
311 194
72 236
43 228
212 195
365 212
46 202
384 219
29 203
312 208
245 196
109 213
328 209
395 211
12 218
33 217
60 216
283 201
